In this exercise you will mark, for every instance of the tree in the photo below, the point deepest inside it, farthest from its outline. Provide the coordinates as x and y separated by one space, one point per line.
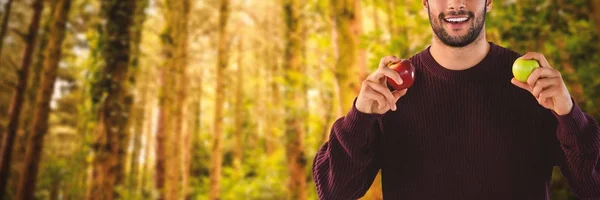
138 109
18 94
295 109
347 65
216 152
112 107
174 79
40 121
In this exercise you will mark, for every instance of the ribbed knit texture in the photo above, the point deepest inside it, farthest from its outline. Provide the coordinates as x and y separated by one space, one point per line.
467 134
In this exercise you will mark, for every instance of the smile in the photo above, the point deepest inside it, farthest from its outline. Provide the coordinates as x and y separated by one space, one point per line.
456 20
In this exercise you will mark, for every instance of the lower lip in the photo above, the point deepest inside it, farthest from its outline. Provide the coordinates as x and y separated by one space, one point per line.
457 25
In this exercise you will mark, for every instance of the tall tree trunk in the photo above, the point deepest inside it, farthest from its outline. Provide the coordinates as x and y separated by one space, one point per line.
347 66
296 111
17 98
195 139
356 28
113 108
54 190
180 39
174 41
4 26
34 83
138 110
35 143
216 157
237 151
161 140
148 143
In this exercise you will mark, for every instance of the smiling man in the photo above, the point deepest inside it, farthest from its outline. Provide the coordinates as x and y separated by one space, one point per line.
466 129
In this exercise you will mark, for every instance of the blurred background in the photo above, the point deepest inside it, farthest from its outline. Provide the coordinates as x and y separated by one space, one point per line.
222 99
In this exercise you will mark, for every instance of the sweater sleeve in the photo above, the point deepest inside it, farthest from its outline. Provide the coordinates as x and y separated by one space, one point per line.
577 151
346 165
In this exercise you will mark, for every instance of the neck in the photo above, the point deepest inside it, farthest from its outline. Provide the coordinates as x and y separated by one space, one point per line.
460 58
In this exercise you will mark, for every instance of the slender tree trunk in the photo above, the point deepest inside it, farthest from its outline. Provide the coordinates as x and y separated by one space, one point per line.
347 42
237 151
4 26
195 139
54 190
113 109
162 136
174 41
357 29
35 143
29 106
296 112
138 110
183 102
216 152
34 84
149 142
17 98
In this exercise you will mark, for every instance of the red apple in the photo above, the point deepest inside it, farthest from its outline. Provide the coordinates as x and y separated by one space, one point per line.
407 73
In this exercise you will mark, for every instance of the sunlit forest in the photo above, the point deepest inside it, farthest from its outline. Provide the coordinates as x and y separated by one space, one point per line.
222 99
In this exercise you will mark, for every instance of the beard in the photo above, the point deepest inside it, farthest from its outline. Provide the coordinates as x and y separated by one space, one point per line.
476 25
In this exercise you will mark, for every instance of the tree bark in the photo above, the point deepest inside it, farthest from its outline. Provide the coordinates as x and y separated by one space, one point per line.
347 41
296 112
172 101
216 152
39 129
17 98
113 107
161 143
138 110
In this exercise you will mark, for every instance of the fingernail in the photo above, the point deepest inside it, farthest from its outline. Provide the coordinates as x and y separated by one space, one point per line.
394 107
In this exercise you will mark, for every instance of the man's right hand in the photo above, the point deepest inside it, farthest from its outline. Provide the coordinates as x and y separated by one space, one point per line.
374 96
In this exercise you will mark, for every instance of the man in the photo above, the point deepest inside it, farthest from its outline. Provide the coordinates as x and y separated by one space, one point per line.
466 129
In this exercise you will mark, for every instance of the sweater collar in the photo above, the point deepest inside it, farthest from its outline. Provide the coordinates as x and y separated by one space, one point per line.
481 71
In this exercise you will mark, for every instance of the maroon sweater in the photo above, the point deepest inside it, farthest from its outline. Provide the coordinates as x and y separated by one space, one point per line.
467 134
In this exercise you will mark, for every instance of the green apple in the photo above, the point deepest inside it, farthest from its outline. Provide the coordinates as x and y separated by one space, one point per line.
522 68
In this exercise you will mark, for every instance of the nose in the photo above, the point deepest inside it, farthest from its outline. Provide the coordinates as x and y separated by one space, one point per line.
456 5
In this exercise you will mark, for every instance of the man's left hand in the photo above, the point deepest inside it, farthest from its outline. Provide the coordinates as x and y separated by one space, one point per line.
546 85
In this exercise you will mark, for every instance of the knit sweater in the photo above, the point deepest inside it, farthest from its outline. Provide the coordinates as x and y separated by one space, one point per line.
467 134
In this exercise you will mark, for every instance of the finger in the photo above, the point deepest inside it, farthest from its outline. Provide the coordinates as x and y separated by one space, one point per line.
399 93
385 61
549 93
542 84
539 57
520 84
371 94
541 73
381 89
385 72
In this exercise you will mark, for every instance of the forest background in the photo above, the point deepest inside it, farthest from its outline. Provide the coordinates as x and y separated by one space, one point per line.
222 99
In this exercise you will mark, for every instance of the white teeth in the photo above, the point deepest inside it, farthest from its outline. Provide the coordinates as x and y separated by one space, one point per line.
462 19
